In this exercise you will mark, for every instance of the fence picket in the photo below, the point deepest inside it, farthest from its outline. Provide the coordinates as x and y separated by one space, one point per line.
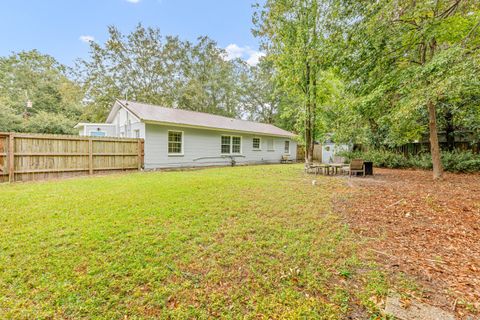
25 157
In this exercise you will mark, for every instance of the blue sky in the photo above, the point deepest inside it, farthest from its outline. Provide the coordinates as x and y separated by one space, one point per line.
61 28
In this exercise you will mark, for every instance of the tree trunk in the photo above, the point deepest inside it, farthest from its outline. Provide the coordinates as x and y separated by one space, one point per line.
308 121
434 145
308 147
449 130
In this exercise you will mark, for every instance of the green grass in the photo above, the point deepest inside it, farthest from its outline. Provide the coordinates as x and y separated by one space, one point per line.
243 242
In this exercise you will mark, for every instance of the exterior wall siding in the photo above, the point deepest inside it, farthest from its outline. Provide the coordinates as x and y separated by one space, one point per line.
108 129
121 124
201 147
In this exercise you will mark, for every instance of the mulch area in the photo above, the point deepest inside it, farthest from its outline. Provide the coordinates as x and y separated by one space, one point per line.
429 230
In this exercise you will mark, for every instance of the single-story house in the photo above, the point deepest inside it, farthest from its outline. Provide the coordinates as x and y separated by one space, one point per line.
181 138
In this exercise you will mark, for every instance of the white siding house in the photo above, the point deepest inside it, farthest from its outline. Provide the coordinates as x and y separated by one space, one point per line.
180 138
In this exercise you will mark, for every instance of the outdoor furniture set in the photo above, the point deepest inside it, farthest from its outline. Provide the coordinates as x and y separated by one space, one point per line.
357 166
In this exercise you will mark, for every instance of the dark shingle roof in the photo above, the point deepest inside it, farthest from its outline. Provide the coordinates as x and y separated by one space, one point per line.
148 112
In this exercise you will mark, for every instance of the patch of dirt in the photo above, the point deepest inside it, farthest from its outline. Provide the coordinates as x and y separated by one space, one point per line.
427 229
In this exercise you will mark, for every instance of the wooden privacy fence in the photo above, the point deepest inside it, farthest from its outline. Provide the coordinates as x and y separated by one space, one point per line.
26 157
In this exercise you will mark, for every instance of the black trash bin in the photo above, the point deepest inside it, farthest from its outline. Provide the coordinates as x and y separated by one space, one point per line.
368 168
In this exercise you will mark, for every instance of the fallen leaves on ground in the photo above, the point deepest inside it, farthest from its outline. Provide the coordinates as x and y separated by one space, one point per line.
424 228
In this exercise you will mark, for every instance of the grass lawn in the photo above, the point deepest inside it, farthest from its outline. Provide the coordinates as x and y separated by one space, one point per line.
243 242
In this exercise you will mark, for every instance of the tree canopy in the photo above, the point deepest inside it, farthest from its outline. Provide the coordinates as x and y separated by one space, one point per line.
37 80
403 69
292 33
146 66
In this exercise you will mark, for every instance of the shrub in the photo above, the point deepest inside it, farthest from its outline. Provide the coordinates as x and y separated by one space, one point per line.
45 122
461 161
380 158
456 161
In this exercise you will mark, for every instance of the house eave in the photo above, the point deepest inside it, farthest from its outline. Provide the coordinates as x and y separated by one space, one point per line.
183 125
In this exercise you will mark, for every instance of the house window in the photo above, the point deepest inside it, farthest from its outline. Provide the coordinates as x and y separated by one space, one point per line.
287 147
231 144
137 133
256 143
175 142
270 144
236 144
225 144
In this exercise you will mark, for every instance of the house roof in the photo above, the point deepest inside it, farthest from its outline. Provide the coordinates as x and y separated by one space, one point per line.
151 113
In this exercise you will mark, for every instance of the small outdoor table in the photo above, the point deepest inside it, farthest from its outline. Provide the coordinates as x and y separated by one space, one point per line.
336 166
325 168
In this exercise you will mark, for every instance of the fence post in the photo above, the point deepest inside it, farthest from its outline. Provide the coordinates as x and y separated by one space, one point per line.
11 157
139 146
90 155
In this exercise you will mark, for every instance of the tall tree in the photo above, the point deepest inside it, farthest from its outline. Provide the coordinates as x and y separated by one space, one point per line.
210 83
141 66
409 59
261 96
148 67
39 79
293 36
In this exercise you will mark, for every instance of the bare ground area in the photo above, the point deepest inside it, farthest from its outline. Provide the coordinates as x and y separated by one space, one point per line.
428 230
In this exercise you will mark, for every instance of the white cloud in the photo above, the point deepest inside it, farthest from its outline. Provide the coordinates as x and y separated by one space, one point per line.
255 57
251 56
234 51
87 39
133 1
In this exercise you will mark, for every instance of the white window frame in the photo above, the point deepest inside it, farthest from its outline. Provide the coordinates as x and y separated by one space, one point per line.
259 144
287 152
136 133
273 144
231 144
171 154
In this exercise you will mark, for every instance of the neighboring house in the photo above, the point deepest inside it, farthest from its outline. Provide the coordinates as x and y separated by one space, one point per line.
181 138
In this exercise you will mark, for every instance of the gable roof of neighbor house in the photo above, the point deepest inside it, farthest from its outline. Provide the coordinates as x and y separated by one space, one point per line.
151 113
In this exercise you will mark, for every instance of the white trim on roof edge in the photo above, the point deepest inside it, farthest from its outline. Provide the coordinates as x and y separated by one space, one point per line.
114 111
82 124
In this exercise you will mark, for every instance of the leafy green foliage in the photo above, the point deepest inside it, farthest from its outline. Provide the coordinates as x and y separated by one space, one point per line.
261 97
456 161
40 79
292 34
148 67
396 56
9 121
47 122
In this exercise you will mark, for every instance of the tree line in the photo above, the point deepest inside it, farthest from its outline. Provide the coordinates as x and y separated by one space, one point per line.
381 73
39 94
